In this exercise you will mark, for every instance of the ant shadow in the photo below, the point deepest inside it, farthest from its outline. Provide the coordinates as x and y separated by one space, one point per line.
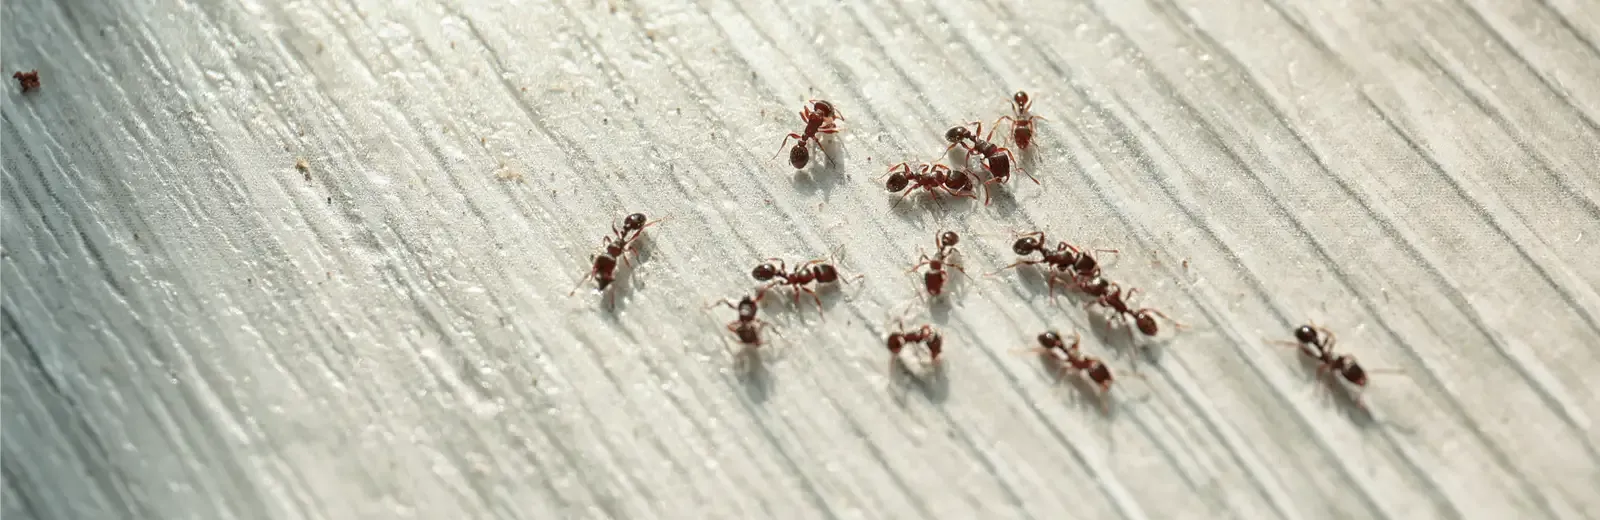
932 382
828 296
1120 335
1086 394
750 368
920 203
1003 200
1345 398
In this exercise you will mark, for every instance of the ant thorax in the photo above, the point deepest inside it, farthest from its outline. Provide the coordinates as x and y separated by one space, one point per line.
1313 351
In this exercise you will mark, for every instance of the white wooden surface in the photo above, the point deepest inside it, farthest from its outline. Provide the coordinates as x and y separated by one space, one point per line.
194 330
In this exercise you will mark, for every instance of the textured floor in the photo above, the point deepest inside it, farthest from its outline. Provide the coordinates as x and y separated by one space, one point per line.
195 328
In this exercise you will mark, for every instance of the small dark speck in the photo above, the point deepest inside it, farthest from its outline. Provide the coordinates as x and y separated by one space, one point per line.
250 281
135 236
330 201
605 120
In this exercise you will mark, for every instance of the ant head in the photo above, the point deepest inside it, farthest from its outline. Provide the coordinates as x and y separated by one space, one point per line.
1050 339
896 342
1025 246
633 222
1020 98
935 345
948 238
747 308
764 272
825 273
1305 334
614 248
956 133
1147 324
605 262
897 181
822 108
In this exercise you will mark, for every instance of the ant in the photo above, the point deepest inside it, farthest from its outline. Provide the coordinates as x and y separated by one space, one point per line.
1071 359
617 244
819 118
997 159
925 335
819 271
28 80
1144 318
747 326
934 279
1022 123
1317 343
1078 265
928 177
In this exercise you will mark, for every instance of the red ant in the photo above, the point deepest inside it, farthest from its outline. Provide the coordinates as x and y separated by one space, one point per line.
928 177
819 271
1317 343
934 279
1070 359
29 80
996 159
819 118
1078 265
617 244
1144 318
1022 123
747 326
925 335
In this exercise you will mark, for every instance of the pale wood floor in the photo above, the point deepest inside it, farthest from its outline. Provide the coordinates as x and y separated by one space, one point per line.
193 328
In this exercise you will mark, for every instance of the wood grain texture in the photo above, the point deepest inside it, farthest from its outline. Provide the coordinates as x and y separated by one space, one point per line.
193 328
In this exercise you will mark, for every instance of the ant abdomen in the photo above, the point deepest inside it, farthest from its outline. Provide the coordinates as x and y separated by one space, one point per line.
1147 324
825 273
1354 373
957 182
799 155
1100 374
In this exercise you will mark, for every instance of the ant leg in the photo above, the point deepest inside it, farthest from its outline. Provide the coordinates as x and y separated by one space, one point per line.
792 135
1017 263
818 300
1168 318
903 195
723 301
585 279
1328 339
1018 167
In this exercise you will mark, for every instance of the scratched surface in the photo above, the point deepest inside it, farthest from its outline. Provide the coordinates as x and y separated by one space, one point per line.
194 327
